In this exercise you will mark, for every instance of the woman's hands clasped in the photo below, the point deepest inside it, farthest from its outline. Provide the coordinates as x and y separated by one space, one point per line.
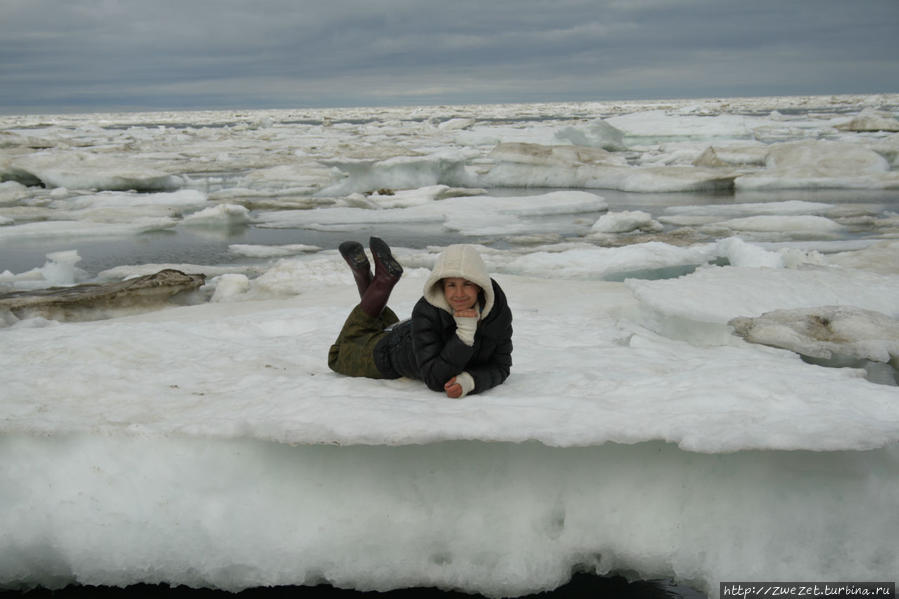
453 389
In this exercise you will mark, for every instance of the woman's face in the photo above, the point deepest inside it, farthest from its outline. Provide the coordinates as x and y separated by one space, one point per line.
461 294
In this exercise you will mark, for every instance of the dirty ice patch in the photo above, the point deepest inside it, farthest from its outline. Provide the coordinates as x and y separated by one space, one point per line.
825 331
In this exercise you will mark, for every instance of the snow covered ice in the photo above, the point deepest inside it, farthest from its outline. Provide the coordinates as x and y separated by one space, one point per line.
678 273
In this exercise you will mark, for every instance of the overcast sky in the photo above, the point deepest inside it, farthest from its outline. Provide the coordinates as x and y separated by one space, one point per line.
89 55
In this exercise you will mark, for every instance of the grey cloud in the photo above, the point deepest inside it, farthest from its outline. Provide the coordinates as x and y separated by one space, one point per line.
218 53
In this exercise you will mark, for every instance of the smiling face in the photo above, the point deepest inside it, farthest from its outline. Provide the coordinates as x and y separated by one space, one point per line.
460 294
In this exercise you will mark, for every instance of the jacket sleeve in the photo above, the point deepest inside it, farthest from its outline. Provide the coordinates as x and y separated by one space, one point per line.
496 370
439 358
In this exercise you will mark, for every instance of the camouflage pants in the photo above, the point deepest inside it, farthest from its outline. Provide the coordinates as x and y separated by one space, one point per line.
353 352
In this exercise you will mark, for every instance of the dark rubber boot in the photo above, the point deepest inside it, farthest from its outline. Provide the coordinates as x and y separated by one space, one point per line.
387 272
354 254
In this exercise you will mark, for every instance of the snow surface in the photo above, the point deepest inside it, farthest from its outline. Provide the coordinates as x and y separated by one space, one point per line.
210 445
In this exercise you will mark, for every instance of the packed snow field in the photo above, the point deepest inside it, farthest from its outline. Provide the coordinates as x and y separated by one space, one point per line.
706 343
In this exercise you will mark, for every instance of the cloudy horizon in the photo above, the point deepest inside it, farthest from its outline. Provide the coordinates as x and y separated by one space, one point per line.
96 55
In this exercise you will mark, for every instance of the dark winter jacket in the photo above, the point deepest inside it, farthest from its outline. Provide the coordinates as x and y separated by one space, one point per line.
426 346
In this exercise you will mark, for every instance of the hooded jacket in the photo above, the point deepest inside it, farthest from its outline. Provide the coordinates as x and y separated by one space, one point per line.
426 346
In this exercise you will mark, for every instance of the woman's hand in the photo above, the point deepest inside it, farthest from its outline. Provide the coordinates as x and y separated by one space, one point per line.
453 389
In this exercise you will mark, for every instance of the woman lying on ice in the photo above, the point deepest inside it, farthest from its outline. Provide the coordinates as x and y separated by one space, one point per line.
459 339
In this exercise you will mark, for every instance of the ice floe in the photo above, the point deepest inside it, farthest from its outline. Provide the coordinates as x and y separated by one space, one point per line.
673 267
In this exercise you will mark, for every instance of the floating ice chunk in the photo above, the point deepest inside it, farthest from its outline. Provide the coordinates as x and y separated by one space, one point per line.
826 158
740 253
404 172
888 148
824 331
596 176
9 139
797 225
456 124
820 164
60 268
223 215
488 215
184 199
335 219
85 170
598 134
658 124
600 263
715 294
881 257
564 156
485 136
68 229
871 120
732 156
58 271
476 215
791 207
125 207
293 276
546 204
626 221
407 198
229 286
36 322
271 251
12 192
304 177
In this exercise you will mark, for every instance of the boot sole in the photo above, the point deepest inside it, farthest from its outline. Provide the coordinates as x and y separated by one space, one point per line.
382 254
354 254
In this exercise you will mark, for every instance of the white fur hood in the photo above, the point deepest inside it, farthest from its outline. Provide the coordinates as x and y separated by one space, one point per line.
459 261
